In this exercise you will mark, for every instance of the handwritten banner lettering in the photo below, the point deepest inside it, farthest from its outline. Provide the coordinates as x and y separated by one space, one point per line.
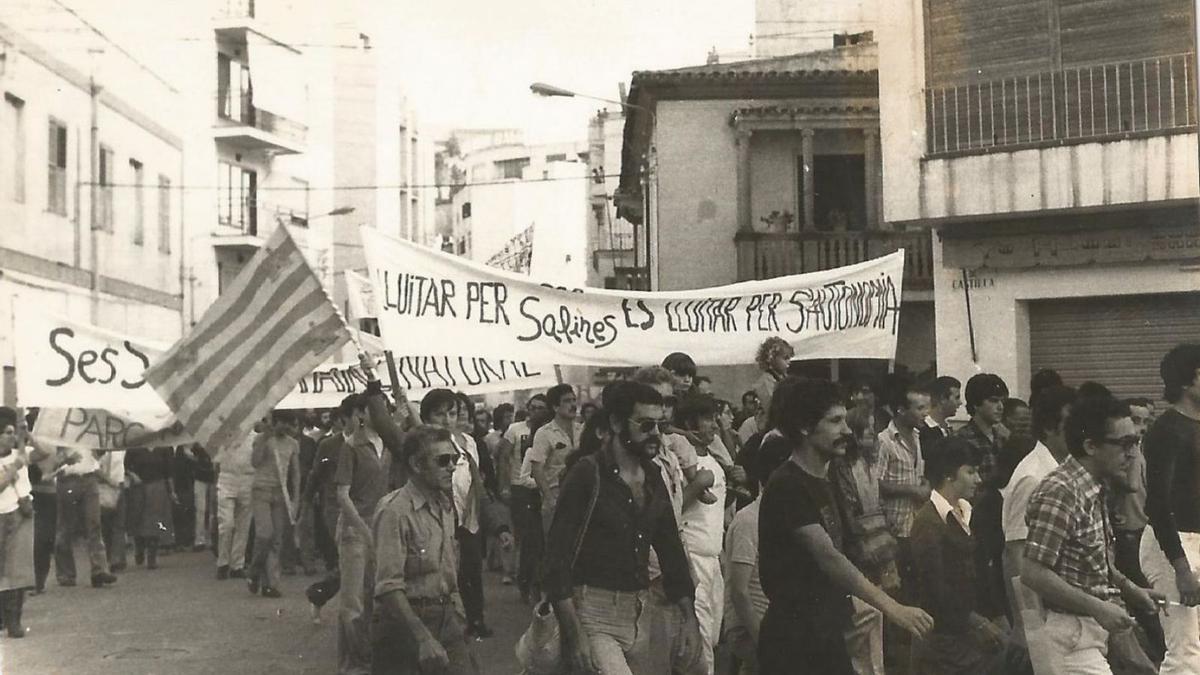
449 305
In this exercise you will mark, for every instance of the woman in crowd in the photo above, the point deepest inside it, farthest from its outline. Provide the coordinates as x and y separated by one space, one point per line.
16 525
151 500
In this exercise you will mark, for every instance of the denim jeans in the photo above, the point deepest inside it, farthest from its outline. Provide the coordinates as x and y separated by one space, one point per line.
618 626
78 495
354 598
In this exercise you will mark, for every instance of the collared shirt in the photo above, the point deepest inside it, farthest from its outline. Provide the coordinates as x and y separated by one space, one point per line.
987 453
1068 527
364 467
520 436
551 446
1026 477
901 464
414 544
961 511
614 549
20 488
1129 508
465 506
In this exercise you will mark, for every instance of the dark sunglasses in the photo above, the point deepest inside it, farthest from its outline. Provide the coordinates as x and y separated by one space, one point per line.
646 426
446 461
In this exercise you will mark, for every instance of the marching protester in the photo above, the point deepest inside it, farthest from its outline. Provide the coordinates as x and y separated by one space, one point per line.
1068 553
275 467
552 444
440 408
525 500
417 625
45 506
745 603
614 509
363 469
962 640
78 500
1170 553
683 372
703 525
945 397
805 576
113 508
235 482
903 487
16 531
151 496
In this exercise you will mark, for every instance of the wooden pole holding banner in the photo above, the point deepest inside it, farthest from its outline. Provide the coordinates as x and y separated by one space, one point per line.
558 374
393 374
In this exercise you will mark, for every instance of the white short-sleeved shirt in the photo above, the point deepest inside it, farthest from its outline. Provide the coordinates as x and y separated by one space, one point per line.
519 436
1026 477
741 548
704 524
19 489
461 481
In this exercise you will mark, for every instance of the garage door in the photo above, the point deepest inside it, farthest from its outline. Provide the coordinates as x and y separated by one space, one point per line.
1116 341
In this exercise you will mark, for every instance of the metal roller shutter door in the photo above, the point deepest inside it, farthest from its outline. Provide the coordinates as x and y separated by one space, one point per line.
1116 341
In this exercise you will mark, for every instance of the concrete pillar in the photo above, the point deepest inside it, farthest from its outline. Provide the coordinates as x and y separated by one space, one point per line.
870 159
743 180
806 154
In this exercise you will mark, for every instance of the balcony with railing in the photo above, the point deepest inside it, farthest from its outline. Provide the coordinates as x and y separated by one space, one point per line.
1105 102
764 255
242 125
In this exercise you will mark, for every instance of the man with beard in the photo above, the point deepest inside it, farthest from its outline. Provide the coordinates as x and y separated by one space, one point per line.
612 510
804 574
1068 553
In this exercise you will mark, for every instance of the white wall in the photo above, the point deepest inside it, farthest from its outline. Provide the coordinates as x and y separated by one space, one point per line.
791 26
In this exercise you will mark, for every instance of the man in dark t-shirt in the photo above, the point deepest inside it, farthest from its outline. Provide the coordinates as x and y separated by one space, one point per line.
1170 554
804 574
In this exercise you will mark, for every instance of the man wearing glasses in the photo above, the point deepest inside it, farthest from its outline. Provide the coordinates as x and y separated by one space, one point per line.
1068 558
613 509
419 625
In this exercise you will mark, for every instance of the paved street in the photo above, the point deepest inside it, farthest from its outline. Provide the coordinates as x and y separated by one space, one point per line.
180 620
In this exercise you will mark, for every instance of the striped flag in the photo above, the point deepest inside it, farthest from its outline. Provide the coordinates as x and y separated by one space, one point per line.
263 334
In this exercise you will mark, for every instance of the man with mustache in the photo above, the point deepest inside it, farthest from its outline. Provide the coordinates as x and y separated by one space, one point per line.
804 574
613 508
1068 558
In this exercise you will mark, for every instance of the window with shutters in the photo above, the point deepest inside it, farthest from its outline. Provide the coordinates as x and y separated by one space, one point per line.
1003 73
56 184
164 214
139 202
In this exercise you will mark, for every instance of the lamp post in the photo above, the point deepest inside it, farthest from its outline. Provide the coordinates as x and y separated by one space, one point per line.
549 90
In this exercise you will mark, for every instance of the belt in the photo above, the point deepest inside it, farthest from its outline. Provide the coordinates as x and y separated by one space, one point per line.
430 602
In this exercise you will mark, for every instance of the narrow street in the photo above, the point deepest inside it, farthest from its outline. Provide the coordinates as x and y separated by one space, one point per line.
179 620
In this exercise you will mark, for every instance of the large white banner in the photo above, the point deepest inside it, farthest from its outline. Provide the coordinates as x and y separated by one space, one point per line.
431 302
329 384
89 381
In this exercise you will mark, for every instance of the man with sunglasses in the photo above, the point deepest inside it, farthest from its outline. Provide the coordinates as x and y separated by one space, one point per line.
597 557
419 625
1068 557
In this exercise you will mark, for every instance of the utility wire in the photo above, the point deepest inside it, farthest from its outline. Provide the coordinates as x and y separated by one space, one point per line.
409 186
118 47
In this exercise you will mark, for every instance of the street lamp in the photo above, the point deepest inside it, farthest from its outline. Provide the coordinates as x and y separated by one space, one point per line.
339 211
549 90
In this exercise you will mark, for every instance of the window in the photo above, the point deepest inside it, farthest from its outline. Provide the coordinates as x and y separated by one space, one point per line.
56 188
237 198
139 203
164 214
839 192
561 157
511 168
104 196
12 174
233 90
466 210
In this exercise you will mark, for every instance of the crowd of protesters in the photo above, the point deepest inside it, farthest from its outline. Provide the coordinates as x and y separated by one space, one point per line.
814 528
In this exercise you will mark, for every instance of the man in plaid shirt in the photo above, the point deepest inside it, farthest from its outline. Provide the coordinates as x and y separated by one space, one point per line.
1068 558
